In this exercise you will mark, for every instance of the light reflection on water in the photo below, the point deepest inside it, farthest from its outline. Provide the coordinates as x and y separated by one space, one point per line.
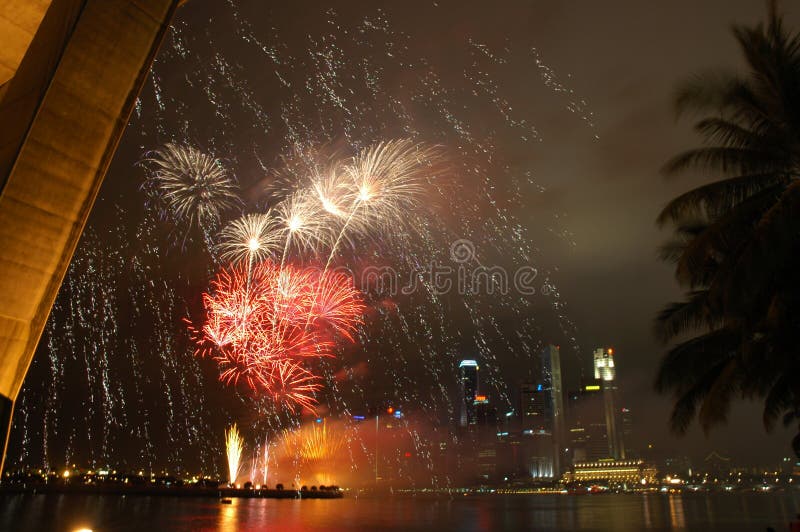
743 511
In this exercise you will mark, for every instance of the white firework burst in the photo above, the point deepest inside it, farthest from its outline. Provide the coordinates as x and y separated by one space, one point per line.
304 222
252 237
194 187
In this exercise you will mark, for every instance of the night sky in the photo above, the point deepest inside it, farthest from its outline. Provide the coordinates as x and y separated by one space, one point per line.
557 116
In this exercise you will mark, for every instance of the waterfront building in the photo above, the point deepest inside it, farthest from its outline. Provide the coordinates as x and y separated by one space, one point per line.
677 466
614 472
717 465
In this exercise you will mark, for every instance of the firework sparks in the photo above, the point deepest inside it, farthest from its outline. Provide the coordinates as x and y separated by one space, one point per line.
313 443
266 460
262 321
193 185
331 189
293 385
335 303
387 181
375 190
304 222
252 238
234 447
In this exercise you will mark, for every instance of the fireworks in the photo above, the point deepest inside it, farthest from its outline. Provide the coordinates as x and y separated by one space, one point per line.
263 320
346 90
371 193
293 385
266 460
253 237
313 443
234 447
304 222
193 185
330 190
387 182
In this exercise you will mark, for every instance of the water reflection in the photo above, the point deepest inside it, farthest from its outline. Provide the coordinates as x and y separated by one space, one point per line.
229 516
648 520
676 516
711 512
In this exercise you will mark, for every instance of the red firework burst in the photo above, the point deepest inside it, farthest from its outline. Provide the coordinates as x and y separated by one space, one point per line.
263 320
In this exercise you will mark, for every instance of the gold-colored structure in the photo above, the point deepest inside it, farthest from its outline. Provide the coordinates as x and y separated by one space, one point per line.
70 73
615 472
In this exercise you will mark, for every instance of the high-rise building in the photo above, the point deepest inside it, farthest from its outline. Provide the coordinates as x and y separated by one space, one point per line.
587 440
468 378
533 416
604 368
542 419
627 433
605 371
485 437
554 402
534 443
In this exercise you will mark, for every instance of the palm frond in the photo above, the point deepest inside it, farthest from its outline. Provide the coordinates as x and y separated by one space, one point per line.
683 316
780 398
721 159
687 362
718 196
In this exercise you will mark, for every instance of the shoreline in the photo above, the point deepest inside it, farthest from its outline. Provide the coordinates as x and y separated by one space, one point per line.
167 491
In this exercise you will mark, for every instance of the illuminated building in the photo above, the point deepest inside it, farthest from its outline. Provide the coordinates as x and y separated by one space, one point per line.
587 438
532 407
605 371
542 434
677 466
468 377
485 442
614 472
485 413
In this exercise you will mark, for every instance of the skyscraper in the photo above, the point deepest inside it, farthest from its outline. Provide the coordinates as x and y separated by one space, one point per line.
605 371
604 368
485 437
542 418
588 440
533 408
554 401
468 377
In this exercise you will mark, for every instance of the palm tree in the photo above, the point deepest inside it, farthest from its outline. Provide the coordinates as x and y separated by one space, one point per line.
736 240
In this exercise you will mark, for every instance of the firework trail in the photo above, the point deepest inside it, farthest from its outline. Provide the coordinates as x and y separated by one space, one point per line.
266 460
234 447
